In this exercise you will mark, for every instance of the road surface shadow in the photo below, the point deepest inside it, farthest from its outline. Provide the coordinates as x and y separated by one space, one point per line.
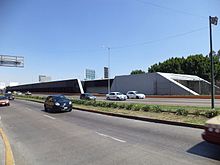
53 111
207 150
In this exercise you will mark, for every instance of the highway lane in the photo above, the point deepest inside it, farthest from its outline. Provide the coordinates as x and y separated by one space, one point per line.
163 101
167 101
172 101
79 137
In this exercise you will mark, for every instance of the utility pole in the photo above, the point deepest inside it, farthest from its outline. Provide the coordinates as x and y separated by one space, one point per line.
214 21
109 88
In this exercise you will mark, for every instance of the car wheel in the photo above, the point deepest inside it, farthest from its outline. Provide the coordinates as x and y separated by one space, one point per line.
118 99
108 98
45 109
70 110
137 97
8 104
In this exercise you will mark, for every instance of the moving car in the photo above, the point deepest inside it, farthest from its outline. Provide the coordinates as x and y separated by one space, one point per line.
57 103
9 96
19 93
135 95
27 93
212 130
4 101
116 96
87 96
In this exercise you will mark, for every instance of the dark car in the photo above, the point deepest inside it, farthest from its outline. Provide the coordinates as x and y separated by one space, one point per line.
87 96
57 103
9 96
4 101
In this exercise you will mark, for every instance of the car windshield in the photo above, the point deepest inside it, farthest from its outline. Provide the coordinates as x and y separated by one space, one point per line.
119 93
2 98
61 97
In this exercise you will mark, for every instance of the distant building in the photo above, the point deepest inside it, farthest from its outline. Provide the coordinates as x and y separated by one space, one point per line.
90 74
11 84
43 78
106 74
2 87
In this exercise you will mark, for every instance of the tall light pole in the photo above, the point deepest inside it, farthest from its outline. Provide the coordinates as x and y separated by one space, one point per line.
214 21
109 88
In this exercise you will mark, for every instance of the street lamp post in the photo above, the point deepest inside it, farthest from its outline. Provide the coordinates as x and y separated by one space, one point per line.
214 21
109 88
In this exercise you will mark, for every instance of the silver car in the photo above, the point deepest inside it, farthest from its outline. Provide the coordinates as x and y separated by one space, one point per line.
116 96
135 95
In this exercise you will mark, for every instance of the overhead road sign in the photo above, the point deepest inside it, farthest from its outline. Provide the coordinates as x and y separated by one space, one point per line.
11 61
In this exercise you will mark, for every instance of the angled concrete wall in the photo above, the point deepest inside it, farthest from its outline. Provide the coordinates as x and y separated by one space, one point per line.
145 83
64 86
150 84
166 86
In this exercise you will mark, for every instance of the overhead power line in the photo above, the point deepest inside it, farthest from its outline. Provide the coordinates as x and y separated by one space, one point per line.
146 42
162 39
171 9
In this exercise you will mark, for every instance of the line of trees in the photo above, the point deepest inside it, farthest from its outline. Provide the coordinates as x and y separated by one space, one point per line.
194 64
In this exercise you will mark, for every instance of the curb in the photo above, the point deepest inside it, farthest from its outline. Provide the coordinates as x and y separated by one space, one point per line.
9 158
146 119
168 122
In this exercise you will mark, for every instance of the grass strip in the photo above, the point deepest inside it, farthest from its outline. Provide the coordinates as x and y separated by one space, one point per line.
120 109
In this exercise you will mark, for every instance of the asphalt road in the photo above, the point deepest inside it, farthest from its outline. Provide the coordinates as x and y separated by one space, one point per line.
168 101
164 101
82 138
172 101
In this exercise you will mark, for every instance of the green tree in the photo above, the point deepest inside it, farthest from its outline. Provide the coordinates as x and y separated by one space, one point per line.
194 64
137 71
172 65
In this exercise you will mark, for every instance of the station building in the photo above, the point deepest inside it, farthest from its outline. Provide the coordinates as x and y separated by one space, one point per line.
148 83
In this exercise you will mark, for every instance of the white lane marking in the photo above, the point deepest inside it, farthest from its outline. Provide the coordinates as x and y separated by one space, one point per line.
0 118
111 137
28 109
49 117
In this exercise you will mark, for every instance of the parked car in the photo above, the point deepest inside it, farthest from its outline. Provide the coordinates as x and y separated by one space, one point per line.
116 96
28 93
57 103
4 101
135 95
9 96
87 96
212 130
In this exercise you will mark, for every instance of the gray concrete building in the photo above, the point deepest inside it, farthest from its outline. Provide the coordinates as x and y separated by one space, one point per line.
162 84
148 83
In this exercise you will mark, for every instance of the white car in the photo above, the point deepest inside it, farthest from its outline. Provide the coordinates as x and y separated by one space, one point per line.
135 95
116 96
19 93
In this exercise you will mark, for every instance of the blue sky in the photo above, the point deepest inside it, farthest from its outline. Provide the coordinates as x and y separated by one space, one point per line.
62 38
